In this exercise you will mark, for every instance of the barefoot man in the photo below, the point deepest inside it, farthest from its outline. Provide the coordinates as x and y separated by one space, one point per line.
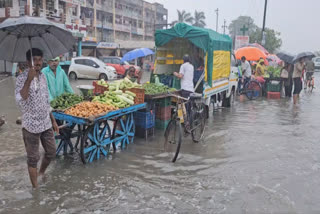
38 123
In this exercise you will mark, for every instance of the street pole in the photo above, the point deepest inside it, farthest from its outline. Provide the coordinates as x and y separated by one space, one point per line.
102 29
224 26
217 12
263 42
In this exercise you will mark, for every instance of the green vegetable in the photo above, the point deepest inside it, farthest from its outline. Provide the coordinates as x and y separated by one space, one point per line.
153 88
65 101
125 99
131 93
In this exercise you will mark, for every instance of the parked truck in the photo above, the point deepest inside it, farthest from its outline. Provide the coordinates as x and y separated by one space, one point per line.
204 46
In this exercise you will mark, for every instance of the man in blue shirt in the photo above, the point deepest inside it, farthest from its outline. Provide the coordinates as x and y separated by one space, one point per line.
57 80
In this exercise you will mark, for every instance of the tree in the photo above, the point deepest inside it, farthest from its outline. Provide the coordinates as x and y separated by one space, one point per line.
183 16
273 40
199 19
236 25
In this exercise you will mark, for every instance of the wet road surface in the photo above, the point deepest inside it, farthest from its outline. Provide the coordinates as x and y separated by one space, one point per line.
258 157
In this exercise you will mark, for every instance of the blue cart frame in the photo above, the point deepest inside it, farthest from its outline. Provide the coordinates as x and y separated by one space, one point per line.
95 135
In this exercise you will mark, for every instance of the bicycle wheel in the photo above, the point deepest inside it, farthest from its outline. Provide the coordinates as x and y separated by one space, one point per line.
173 135
198 122
252 90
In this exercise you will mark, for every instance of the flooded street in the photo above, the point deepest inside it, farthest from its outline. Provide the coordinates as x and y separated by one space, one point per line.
260 156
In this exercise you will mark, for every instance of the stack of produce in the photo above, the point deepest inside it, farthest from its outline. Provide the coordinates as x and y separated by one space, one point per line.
117 98
123 84
65 101
88 109
272 72
153 88
102 82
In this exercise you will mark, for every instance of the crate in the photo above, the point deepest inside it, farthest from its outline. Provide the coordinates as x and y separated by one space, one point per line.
162 124
150 105
144 133
144 120
163 113
99 89
140 92
273 95
163 102
273 87
166 80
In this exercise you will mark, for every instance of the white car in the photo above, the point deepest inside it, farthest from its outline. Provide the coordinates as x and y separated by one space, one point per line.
90 68
316 61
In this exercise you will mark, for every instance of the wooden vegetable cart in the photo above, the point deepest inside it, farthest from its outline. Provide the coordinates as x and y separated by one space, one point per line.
97 135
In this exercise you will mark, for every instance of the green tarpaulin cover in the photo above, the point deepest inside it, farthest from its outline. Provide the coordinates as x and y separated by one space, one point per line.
206 39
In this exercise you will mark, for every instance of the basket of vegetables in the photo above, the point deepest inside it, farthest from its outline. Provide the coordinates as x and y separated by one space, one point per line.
100 86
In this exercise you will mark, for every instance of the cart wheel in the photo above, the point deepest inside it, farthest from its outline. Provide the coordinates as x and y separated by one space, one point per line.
124 131
64 141
96 141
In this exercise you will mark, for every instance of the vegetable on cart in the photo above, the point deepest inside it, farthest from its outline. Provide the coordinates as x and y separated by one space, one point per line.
88 109
153 88
65 101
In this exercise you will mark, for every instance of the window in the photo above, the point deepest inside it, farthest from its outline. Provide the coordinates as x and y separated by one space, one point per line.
106 60
318 60
6 3
91 63
79 61
116 61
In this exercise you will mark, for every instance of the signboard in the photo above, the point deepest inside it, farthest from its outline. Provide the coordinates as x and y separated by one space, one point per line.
82 3
108 45
90 39
241 41
77 29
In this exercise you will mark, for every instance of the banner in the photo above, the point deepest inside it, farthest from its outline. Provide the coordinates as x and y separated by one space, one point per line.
241 41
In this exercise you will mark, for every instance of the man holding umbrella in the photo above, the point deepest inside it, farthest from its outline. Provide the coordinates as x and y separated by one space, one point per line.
38 123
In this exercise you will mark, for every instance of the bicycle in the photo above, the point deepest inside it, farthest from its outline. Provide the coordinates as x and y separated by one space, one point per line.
194 123
252 89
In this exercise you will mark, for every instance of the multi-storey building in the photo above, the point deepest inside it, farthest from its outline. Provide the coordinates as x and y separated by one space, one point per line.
99 20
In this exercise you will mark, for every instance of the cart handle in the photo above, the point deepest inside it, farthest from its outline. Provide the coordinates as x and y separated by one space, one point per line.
64 125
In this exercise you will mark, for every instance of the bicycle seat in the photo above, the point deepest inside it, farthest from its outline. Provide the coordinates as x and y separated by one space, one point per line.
195 96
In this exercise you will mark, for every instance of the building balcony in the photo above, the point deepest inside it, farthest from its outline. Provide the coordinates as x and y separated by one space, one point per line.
105 25
122 28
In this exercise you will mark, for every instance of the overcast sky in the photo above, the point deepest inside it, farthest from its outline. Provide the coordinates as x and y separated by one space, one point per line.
296 20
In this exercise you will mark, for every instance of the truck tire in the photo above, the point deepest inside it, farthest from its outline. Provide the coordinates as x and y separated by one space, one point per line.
228 101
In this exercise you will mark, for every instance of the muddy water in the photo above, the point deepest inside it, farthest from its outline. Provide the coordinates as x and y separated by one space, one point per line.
258 157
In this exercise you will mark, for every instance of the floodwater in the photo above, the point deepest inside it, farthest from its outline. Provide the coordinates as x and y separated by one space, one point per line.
258 157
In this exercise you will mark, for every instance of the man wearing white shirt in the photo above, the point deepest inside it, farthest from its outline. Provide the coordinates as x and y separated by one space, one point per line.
186 76
246 70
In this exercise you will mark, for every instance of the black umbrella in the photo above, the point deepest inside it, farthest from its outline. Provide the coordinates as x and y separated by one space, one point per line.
18 35
288 58
303 55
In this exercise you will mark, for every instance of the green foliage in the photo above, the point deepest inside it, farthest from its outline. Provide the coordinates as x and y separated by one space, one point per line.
184 16
273 40
237 24
199 19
